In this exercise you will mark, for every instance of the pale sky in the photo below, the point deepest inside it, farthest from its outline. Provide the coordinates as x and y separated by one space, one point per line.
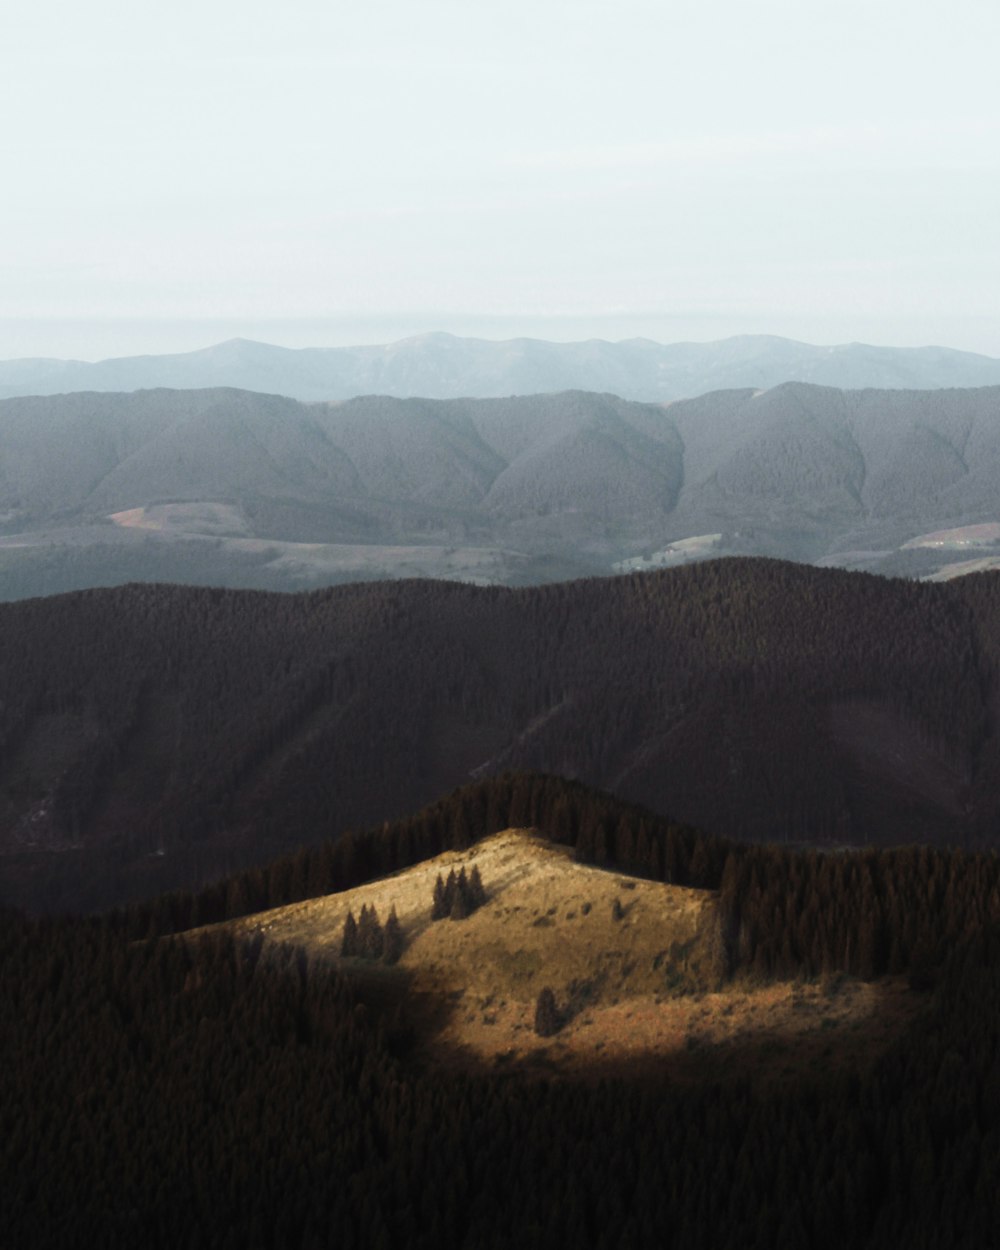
316 173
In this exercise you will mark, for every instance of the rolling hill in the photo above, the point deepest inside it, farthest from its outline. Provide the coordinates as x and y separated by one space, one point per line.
621 955
231 488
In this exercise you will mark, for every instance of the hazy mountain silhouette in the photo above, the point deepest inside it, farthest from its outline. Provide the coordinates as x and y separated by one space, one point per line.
443 366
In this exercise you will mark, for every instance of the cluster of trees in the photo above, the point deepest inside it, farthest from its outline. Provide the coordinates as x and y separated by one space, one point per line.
864 912
368 938
224 728
458 896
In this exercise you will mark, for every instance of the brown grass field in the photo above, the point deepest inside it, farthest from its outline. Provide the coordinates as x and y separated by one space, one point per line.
634 966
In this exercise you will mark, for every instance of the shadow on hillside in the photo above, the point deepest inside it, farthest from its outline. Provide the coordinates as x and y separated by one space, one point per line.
410 1017
763 1052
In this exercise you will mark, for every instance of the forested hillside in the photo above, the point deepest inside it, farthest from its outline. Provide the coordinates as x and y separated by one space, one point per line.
168 1095
234 488
783 912
213 1093
156 737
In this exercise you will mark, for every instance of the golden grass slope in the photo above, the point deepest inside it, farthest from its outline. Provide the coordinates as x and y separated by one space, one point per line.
635 966
547 921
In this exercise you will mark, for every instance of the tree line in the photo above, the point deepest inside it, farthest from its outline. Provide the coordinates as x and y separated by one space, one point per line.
783 912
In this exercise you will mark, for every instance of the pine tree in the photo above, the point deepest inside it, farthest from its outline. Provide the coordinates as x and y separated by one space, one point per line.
450 887
392 943
459 903
370 936
349 942
700 871
439 910
477 892
547 1021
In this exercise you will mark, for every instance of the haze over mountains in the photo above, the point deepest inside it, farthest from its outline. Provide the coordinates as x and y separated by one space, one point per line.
443 366
229 487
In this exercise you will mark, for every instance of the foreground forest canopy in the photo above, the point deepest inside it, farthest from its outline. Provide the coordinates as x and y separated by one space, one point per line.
309 1119
157 737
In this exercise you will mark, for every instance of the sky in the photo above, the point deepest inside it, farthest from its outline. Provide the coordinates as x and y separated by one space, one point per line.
318 173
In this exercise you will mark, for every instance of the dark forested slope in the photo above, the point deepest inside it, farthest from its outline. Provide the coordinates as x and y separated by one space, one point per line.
171 733
217 1093
163 1094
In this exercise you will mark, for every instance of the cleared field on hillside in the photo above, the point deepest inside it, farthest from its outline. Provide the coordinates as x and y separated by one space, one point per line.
635 966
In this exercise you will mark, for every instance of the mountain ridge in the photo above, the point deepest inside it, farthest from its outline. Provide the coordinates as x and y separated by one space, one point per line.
222 486
445 366
159 734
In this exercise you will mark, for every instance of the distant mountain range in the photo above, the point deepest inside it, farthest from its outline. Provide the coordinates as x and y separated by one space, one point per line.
227 487
443 366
